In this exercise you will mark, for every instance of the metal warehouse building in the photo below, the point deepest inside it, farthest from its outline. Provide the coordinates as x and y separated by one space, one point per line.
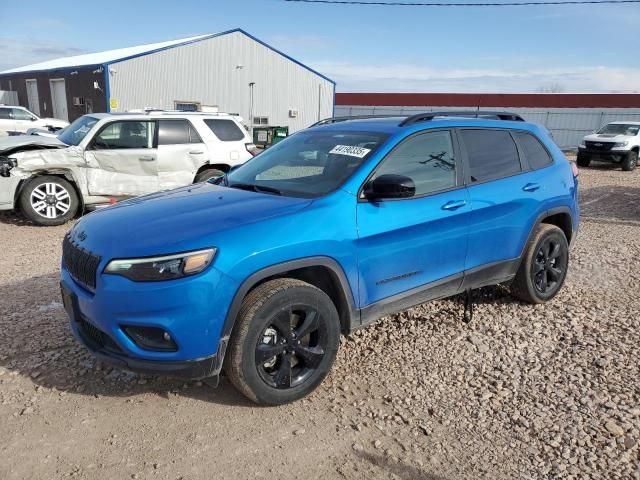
230 72
569 116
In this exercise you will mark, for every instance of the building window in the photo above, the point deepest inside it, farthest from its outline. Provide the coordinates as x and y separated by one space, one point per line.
261 120
187 106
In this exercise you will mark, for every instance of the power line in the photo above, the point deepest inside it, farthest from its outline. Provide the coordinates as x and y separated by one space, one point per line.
467 4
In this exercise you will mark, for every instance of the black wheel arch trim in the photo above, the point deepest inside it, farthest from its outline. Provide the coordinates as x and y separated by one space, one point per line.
540 220
353 313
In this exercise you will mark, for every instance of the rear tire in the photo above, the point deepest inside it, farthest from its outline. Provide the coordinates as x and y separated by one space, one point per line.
630 162
49 200
207 174
284 342
583 160
544 266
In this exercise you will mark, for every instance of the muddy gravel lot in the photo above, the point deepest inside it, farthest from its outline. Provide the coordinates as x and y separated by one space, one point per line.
528 392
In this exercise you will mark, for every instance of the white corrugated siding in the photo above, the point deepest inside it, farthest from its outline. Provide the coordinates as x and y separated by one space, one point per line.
206 72
568 125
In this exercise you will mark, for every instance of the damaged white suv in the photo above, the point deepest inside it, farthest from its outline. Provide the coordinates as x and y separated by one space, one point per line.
102 158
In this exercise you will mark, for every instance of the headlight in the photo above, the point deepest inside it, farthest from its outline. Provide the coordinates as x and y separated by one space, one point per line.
167 267
620 144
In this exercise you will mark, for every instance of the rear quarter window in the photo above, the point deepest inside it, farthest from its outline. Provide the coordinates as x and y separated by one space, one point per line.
225 130
492 154
535 153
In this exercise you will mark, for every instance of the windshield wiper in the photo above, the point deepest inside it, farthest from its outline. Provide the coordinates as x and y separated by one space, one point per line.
254 188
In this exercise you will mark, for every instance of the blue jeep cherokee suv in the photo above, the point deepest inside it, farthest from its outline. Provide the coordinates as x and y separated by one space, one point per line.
261 270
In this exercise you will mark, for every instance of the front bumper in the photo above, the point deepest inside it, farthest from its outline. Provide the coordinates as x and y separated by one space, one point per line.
191 311
8 187
615 156
106 350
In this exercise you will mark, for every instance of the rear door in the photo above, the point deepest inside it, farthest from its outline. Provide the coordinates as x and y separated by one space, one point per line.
181 153
415 242
504 199
230 145
122 159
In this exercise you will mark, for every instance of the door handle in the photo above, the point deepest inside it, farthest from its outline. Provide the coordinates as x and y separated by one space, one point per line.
196 152
531 187
454 205
147 159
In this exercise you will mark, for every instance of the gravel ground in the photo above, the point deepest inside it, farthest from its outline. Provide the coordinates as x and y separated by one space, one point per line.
530 392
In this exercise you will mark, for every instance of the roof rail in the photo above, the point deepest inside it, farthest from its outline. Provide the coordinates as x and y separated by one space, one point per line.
160 111
330 120
428 116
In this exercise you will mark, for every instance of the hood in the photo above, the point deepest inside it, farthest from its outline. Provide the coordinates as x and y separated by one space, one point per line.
54 122
607 137
184 219
18 143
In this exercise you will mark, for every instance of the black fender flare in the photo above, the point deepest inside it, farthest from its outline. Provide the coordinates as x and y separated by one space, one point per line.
257 277
539 221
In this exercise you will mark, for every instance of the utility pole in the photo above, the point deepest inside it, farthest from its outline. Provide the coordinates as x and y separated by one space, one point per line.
251 85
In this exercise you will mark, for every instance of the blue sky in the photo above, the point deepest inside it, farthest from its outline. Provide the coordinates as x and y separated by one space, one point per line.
363 48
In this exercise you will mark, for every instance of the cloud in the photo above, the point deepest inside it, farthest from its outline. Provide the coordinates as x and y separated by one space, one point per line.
411 78
20 52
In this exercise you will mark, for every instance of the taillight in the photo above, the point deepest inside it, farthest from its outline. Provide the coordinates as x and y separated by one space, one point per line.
574 168
252 149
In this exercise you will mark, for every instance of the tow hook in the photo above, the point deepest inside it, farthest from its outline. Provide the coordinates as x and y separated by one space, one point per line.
6 164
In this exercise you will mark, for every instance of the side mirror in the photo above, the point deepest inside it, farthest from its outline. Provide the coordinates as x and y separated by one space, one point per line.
390 187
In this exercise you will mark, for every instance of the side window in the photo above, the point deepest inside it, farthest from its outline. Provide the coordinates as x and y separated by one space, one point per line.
225 130
176 132
427 159
5 114
124 135
536 154
492 154
19 114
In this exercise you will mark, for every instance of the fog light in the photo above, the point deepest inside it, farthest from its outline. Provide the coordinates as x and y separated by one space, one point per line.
151 338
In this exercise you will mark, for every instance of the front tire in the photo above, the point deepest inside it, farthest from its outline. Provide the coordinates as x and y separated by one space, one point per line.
583 160
544 266
284 342
207 174
49 200
630 162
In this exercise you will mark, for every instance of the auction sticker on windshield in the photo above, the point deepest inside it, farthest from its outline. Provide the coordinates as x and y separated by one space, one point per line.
351 151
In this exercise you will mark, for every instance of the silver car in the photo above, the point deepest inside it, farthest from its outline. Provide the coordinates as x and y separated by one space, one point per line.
102 158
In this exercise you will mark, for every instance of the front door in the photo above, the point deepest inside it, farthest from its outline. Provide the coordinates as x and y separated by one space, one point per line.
411 243
122 159
180 153
32 96
59 99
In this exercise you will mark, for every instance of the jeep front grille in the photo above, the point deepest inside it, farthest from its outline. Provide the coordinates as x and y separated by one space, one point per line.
81 264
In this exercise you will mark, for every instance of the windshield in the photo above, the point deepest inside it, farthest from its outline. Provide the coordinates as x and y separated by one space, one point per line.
620 129
74 133
307 164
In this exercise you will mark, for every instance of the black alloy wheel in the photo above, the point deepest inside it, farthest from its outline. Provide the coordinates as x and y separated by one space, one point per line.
284 341
543 267
548 266
291 348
